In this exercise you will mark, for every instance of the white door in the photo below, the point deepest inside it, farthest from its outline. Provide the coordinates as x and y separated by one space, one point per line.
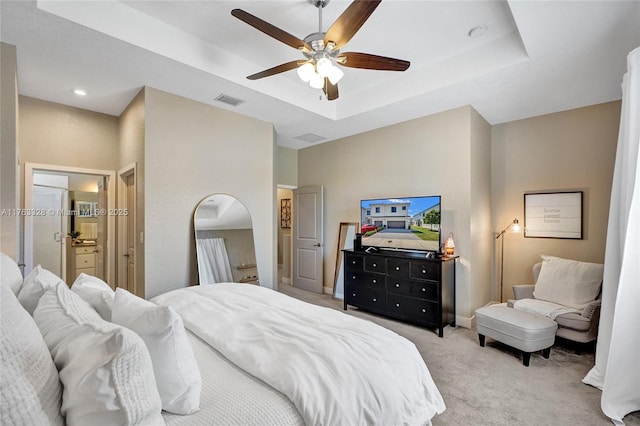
50 229
101 242
308 221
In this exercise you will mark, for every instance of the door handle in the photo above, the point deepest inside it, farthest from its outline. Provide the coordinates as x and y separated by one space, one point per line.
317 245
126 255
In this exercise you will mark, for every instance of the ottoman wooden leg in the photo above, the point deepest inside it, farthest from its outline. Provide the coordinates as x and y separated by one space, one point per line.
546 352
481 338
526 357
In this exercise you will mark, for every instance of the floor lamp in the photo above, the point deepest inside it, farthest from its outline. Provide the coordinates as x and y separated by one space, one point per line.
515 227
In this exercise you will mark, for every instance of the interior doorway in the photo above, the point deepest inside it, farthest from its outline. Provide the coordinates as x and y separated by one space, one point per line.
127 231
285 211
51 192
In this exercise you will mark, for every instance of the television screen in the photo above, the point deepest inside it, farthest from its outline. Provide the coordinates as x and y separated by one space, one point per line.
408 223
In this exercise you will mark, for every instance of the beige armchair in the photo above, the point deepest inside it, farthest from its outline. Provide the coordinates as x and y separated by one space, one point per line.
578 327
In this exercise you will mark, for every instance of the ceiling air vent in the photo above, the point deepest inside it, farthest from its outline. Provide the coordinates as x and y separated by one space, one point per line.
229 100
309 138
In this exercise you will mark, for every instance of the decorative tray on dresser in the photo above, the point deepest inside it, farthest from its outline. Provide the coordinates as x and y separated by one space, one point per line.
403 285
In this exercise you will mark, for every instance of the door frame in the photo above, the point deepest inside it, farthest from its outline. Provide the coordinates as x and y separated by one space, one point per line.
27 245
122 266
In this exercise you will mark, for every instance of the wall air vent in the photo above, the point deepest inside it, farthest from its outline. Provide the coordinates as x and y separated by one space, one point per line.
229 100
309 138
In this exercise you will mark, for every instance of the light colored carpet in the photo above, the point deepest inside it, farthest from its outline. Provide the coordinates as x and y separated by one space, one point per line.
490 386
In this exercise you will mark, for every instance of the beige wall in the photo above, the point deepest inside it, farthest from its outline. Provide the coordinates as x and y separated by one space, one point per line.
287 166
9 167
60 135
281 194
427 156
566 151
193 150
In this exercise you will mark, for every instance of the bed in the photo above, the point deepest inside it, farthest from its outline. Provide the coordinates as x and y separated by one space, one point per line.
264 358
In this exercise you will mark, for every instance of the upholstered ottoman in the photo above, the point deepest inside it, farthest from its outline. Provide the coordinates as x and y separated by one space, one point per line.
519 329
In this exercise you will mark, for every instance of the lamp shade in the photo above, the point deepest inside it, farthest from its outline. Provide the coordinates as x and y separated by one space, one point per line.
306 71
317 82
335 74
324 66
449 246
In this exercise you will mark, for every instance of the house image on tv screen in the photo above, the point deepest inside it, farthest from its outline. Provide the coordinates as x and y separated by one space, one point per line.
391 215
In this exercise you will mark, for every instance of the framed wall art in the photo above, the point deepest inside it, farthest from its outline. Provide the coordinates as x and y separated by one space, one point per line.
553 215
85 209
285 213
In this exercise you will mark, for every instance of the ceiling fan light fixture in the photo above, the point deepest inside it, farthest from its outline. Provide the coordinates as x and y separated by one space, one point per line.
306 71
335 74
324 66
317 82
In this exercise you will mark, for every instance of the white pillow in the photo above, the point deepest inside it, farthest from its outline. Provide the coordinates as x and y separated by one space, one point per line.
95 292
10 272
30 389
175 367
568 282
105 369
34 286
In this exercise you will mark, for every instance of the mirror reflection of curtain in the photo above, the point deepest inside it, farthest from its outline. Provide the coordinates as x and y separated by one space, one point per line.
213 261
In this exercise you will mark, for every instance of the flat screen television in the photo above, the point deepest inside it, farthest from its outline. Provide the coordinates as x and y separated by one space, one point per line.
406 223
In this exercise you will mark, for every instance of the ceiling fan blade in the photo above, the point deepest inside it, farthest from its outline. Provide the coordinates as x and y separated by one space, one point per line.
271 30
331 90
276 70
371 62
347 24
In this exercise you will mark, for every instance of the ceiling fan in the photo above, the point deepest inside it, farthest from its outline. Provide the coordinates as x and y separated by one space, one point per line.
322 50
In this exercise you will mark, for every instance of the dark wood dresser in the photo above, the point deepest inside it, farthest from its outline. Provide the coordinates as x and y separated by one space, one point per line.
402 285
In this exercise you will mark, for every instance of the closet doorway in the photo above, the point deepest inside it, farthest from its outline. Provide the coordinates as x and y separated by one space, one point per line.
51 196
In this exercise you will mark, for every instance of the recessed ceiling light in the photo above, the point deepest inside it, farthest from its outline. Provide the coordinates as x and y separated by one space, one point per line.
478 31
80 92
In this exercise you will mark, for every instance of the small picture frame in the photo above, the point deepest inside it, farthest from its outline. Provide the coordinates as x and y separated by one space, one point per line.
553 215
85 209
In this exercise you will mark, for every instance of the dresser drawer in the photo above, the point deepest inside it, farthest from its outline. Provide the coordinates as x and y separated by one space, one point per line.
398 286
364 279
398 268
412 309
374 264
85 250
425 270
353 263
85 261
425 290
366 298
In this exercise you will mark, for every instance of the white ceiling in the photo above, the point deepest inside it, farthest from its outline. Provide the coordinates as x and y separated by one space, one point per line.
536 57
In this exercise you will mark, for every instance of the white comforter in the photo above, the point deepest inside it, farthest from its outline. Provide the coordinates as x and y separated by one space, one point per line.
335 368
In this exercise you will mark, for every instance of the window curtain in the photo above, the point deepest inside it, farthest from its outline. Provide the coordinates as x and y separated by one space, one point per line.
213 261
616 370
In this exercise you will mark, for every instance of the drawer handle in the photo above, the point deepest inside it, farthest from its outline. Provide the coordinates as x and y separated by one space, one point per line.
375 300
353 262
374 281
353 277
397 268
424 289
397 305
397 285
354 295
424 271
374 265
424 310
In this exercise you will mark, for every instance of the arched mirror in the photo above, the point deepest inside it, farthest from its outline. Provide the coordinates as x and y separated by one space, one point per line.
224 241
